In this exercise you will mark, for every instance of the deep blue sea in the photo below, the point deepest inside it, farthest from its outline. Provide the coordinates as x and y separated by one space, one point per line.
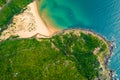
101 16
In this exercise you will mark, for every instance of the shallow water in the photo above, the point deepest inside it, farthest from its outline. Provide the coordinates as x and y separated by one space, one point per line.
101 16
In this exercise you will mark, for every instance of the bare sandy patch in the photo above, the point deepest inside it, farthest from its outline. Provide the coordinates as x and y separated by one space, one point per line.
28 24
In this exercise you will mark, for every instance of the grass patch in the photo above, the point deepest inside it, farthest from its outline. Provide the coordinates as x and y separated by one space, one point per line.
2 2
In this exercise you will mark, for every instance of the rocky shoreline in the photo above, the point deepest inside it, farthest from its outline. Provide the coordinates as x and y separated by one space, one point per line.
111 48
106 61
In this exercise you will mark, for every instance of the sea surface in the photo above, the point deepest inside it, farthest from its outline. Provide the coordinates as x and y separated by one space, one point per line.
101 16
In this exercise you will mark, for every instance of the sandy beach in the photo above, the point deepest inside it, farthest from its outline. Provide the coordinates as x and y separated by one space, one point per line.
29 24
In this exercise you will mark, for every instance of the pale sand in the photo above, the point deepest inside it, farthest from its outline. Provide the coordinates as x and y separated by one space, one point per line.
41 27
29 24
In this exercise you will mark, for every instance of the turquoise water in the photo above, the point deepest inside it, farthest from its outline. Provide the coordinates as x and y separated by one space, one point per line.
101 16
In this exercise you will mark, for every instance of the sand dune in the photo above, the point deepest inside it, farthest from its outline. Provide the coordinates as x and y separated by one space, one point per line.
28 24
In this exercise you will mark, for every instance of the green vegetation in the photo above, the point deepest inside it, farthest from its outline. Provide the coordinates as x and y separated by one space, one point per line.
12 8
2 2
62 57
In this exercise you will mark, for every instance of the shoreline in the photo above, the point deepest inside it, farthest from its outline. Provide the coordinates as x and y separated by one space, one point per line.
51 27
110 44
